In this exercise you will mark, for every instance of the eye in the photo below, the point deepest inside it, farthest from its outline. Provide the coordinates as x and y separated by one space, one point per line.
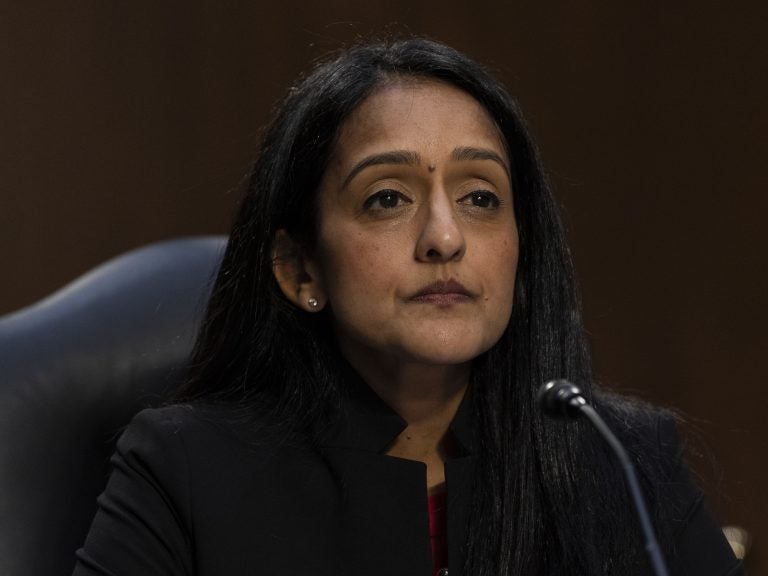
385 200
482 199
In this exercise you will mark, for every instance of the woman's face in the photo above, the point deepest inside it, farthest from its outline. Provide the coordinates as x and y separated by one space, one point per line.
418 245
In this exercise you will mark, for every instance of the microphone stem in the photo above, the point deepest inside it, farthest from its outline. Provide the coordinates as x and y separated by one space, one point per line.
651 544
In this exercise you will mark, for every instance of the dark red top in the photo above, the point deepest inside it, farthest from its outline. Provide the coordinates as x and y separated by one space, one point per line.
437 531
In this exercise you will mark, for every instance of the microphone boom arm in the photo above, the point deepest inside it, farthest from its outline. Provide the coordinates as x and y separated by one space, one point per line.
651 544
561 398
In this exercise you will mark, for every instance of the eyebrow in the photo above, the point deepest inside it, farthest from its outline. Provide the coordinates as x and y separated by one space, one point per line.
401 157
409 158
470 153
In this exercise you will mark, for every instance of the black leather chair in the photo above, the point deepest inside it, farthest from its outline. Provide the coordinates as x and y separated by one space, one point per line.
74 369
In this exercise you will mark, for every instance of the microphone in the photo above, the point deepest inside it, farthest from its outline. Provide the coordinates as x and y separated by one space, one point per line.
561 398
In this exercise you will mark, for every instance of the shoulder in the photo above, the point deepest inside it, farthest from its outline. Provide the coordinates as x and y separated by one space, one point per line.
693 539
203 427
155 428
151 422
630 413
160 448
650 436
650 433
187 480
198 445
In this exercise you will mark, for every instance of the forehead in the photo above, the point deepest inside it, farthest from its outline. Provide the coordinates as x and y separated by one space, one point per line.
416 114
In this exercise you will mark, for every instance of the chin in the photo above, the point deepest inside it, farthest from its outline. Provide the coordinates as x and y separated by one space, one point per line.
443 352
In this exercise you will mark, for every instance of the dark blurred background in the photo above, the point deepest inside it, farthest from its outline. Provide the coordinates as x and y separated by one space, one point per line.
124 123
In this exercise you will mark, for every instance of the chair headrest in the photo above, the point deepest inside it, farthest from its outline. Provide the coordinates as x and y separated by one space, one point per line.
74 368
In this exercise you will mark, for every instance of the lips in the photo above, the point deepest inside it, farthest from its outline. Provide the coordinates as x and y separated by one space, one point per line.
443 293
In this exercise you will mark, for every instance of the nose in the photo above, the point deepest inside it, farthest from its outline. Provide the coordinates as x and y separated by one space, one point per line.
440 237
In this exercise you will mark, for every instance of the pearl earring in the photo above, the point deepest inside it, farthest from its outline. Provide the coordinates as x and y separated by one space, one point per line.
312 302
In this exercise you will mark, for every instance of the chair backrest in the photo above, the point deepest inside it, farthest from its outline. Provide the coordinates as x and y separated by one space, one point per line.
74 369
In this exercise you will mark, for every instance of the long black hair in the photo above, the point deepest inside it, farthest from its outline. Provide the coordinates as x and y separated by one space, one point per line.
535 483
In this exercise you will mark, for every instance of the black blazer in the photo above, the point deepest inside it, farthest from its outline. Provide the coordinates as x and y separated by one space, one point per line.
191 495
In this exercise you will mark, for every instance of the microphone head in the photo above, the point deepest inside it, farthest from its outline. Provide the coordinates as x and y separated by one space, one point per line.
561 399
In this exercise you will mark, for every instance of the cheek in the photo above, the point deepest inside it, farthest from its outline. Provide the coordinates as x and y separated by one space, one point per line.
503 270
355 269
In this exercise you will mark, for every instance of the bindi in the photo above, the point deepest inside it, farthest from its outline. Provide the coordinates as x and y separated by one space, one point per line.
431 167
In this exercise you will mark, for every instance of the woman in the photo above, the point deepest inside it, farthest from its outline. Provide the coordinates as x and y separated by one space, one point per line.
362 397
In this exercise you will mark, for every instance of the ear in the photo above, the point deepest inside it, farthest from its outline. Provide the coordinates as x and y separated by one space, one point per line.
298 276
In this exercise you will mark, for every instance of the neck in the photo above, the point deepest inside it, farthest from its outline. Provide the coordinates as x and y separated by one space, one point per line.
427 398
423 395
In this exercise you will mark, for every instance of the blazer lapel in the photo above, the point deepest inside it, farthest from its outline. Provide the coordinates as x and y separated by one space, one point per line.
384 519
459 476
